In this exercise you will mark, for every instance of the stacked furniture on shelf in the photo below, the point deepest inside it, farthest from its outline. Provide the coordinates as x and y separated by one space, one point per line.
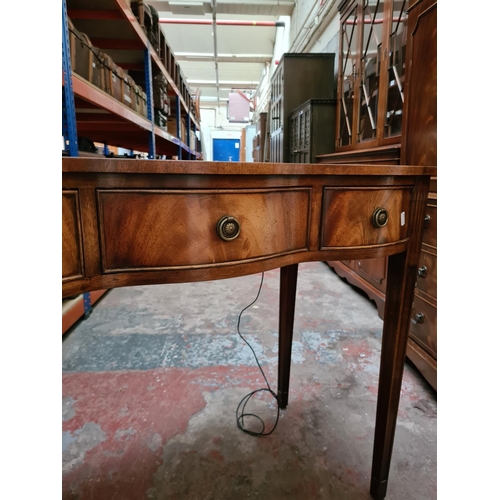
114 46
108 55
387 114
98 68
148 19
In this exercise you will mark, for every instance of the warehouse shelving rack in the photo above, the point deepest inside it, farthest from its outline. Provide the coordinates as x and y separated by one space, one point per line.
72 309
91 112
112 27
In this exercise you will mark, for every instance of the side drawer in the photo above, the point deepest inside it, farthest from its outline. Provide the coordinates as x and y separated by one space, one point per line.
423 329
427 284
162 229
430 227
347 216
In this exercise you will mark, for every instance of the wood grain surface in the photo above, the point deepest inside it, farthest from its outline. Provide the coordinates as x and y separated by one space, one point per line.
72 252
153 221
161 229
347 216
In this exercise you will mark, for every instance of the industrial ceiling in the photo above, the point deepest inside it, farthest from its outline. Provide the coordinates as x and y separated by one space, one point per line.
222 44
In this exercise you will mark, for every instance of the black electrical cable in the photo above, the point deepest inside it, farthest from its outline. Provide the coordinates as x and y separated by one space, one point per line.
240 417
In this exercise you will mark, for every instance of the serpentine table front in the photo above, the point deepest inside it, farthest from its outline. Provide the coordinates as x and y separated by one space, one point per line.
139 222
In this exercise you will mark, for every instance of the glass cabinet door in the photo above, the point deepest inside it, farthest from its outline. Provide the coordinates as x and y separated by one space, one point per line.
348 72
371 73
371 54
396 69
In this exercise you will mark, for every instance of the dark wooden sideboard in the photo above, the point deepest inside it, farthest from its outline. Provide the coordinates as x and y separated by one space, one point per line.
136 222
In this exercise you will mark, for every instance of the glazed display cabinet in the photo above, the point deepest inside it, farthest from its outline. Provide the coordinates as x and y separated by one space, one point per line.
371 73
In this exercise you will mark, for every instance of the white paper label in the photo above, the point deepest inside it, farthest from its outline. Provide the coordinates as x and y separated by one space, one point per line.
93 64
113 77
402 218
127 98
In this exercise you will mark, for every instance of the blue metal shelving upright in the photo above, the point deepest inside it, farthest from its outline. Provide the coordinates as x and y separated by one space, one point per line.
68 101
69 129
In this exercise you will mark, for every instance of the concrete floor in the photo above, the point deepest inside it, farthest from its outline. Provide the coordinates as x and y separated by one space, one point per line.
152 379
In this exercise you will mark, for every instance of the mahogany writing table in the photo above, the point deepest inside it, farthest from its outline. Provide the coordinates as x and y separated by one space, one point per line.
139 222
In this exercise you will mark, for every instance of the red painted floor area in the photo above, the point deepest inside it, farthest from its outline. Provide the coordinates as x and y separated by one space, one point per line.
132 415
152 379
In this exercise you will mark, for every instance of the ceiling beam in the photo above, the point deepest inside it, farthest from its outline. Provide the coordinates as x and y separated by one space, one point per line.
243 7
223 22
208 56
226 84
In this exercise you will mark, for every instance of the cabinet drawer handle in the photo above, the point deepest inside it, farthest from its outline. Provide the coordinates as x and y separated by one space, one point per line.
427 220
418 318
380 217
422 272
228 228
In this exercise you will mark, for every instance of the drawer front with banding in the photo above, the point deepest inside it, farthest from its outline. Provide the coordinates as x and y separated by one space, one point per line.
354 217
423 325
162 229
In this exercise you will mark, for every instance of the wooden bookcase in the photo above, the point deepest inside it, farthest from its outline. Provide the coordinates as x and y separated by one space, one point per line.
298 78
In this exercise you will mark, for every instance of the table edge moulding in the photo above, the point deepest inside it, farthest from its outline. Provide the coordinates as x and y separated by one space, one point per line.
137 222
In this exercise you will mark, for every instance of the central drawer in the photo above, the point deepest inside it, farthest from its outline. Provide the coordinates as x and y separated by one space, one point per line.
161 229
354 217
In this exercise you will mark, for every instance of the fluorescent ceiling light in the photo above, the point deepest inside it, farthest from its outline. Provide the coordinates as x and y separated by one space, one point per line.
186 4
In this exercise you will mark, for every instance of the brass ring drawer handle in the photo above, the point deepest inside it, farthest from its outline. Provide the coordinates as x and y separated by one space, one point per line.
380 217
228 228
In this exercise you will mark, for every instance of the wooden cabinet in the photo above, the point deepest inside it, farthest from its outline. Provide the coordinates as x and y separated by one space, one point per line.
312 127
419 147
422 342
298 78
407 134
369 275
369 112
260 151
371 73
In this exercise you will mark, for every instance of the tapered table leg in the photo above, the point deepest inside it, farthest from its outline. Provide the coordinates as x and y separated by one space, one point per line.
288 288
398 303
